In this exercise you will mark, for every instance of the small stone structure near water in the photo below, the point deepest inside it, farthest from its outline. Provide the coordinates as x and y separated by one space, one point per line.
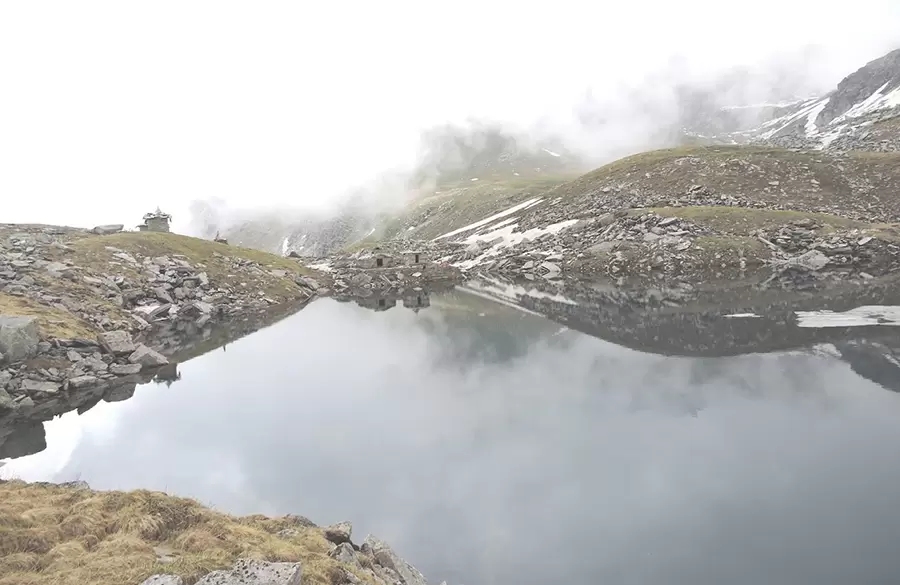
156 221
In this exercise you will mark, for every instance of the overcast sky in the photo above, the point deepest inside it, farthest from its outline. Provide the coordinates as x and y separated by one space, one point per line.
108 109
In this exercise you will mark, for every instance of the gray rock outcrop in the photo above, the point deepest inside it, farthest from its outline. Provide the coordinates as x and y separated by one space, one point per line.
108 229
246 572
147 357
339 533
116 342
19 337
385 557
163 580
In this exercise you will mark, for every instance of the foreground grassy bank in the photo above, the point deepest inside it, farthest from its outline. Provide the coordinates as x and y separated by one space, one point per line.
62 535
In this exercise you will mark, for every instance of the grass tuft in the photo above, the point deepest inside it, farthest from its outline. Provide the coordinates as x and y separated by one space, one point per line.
53 535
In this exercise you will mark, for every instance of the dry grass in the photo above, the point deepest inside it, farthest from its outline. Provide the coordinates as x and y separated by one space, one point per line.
54 535
51 322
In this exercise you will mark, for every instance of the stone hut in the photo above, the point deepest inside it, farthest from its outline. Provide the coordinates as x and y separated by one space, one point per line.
415 300
155 221
377 259
415 257
378 303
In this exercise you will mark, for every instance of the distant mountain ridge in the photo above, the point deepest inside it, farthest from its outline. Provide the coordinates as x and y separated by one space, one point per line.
468 172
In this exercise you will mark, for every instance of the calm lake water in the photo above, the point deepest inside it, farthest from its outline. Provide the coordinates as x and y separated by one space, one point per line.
490 445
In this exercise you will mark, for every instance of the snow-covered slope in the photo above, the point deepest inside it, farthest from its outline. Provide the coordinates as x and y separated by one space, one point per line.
860 114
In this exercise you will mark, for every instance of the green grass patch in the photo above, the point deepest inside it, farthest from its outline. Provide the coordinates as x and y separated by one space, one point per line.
743 220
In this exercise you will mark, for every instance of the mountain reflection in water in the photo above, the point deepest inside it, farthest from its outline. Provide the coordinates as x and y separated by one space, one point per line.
644 436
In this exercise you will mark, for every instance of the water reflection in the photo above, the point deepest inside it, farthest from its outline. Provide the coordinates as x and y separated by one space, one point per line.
492 445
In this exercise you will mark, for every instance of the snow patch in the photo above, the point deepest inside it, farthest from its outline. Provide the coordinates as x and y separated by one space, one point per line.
284 247
742 316
507 237
488 220
323 266
785 121
859 317
876 101
811 118
551 153
515 292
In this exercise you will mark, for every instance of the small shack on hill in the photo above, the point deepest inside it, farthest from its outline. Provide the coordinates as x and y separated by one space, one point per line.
156 221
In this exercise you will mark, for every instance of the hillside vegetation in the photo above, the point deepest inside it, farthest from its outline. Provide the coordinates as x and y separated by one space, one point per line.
59 535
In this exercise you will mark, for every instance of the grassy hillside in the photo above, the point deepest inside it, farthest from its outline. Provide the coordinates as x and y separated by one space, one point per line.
56 535
63 304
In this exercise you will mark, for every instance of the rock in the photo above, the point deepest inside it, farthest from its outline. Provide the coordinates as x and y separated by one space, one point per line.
93 363
308 282
151 312
125 369
74 356
195 309
344 553
667 221
147 357
204 279
120 393
40 386
19 337
386 557
163 295
163 580
6 402
812 260
338 533
116 342
5 377
105 230
57 268
80 382
247 572
865 240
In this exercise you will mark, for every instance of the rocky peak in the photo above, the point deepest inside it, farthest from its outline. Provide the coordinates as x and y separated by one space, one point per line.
881 75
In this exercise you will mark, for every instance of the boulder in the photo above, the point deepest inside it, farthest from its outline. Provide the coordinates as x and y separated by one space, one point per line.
6 403
120 393
338 533
344 553
74 356
80 382
19 337
5 377
385 556
40 386
108 229
163 580
116 342
147 357
125 369
247 572
195 309
162 294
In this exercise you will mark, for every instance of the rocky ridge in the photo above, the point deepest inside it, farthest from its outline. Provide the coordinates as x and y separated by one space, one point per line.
80 317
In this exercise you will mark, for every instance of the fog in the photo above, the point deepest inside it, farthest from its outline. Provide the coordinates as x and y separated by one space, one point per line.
110 109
